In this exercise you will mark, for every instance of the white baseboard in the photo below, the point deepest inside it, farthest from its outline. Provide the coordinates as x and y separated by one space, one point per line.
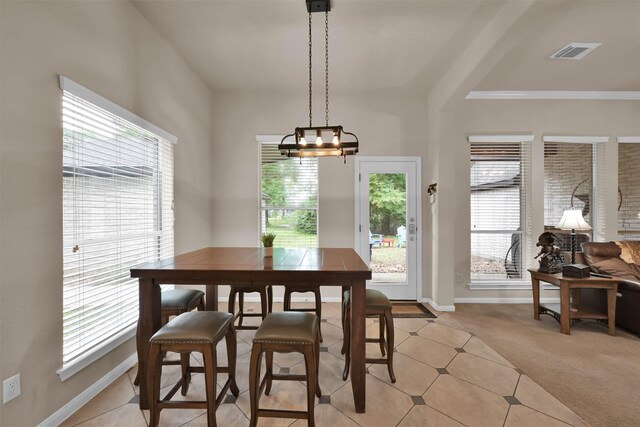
433 304
77 402
504 300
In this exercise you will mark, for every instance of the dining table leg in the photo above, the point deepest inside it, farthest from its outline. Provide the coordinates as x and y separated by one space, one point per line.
358 343
149 323
211 298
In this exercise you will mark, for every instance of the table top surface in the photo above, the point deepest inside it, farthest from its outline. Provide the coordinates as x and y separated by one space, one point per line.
557 277
338 261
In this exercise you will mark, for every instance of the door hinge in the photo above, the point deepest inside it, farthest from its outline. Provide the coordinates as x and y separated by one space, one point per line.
359 177
360 228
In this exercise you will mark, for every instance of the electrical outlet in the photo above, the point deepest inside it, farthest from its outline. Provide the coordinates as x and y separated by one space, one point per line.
10 388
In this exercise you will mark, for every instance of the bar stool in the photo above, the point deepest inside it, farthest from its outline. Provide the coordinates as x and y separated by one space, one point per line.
200 332
286 305
266 302
376 304
285 332
172 303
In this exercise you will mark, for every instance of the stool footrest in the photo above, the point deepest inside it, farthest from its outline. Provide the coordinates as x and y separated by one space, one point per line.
377 361
177 404
200 369
289 377
247 328
281 413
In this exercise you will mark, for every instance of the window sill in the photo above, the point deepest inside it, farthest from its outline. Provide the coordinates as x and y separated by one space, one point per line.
76 366
506 285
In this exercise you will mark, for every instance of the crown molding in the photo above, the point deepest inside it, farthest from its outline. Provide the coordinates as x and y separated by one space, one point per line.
555 94
628 140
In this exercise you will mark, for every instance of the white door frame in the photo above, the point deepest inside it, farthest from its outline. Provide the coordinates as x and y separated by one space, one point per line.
418 203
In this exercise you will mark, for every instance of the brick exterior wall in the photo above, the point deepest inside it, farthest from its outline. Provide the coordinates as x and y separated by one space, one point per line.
565 166
629 184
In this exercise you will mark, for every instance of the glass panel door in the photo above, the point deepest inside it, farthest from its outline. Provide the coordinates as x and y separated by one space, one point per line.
388 224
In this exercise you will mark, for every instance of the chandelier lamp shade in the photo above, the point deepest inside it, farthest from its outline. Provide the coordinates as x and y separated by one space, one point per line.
319 141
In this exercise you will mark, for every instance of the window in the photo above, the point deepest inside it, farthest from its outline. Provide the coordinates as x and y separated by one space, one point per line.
117 212
628 191
499 174
570 167
289 197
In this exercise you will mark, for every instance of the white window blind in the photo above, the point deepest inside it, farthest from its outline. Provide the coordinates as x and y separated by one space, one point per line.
499 224
117 212
289 197
569 183
628 191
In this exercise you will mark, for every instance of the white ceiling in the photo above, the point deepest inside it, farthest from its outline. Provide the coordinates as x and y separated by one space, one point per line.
399 44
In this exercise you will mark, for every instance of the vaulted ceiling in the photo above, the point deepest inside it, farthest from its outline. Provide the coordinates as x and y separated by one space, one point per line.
405 45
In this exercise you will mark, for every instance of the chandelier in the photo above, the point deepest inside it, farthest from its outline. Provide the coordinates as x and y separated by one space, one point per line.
319 141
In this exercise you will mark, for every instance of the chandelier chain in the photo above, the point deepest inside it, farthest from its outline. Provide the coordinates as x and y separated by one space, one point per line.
326 68
310 77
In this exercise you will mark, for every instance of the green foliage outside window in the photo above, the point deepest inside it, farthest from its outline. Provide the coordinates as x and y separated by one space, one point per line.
387 202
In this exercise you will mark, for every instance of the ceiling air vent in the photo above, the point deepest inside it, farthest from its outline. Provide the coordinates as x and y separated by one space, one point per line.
575 51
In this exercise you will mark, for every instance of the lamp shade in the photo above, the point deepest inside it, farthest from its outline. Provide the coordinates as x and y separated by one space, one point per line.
572 220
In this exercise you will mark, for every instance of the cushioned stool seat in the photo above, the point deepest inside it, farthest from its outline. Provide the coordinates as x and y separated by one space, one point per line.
180 300
376 304
189 332
266 302
286 303
285 332
172 303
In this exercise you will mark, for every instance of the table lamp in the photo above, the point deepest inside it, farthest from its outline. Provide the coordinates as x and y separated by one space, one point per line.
572 220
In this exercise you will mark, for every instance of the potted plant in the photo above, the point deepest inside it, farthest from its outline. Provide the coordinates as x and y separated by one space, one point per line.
267 241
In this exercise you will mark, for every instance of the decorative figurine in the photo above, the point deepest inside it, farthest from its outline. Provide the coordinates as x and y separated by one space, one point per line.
550 255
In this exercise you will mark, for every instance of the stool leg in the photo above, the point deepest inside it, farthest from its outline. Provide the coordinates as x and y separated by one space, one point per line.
342 315
154 372
316 292
390 337
186 375
210 382
254 382
136 381
286 302
381 323
264 303
241 306
346 327
232 302
343 350
269 373
317 349
270 297
310 365
230 339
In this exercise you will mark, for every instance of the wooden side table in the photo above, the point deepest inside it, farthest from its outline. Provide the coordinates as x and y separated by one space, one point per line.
564 312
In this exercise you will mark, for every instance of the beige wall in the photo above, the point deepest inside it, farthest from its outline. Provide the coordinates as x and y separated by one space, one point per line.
386 124
109 48
586 118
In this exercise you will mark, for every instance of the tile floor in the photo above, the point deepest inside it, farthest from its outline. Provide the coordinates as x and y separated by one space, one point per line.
445 377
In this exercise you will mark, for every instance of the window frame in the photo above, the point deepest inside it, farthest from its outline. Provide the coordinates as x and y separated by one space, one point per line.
526 159
628 141
275 140
130 121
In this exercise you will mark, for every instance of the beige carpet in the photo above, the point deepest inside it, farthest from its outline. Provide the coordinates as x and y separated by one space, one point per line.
594 374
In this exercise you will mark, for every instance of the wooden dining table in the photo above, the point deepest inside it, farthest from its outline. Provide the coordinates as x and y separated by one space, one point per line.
216 266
